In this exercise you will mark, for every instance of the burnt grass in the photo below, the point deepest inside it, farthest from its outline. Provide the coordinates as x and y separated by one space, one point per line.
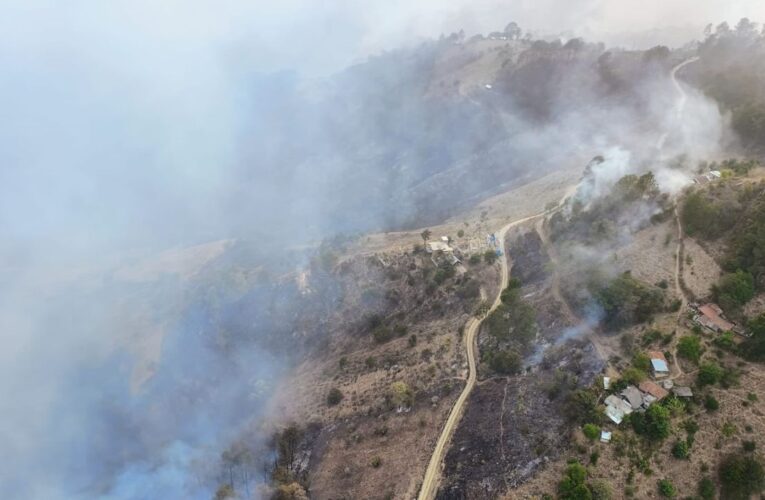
513 425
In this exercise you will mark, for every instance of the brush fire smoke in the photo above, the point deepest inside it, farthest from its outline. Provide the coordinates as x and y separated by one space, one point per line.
131 128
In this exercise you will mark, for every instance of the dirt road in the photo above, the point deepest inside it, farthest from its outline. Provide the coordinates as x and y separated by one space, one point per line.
680 106
433 472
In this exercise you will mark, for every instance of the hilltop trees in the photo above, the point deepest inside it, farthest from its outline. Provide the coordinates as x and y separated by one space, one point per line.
741 475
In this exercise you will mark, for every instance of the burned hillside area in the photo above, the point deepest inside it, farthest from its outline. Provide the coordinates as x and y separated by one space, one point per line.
514 425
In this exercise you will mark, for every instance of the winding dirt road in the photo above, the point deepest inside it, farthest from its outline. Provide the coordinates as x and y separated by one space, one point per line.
433 472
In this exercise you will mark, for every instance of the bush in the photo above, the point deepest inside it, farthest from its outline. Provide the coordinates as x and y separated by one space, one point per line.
591 431
334 396
376 462
710 403
490 256
474 259
689 347
642 362
412 340
667 489
460 233
749 445
582 406
381 334
741 475
681 450
601 490
707 489
709 374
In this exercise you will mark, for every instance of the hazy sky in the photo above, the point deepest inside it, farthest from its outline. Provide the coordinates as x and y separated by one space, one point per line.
123 126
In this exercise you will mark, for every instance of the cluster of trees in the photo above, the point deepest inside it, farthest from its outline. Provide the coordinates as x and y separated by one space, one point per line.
738 217
511 327
625 300
574 485
602 219
731 70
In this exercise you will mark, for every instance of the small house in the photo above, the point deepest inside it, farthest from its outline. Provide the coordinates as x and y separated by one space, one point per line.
437 246
659 364
605 437
654 390
633 396
711 317
617 408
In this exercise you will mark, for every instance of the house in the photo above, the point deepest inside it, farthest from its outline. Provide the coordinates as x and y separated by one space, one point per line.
606 382
605 437
617 408
682 392
633 396
659 364
653 389
437 246
711 316
710 176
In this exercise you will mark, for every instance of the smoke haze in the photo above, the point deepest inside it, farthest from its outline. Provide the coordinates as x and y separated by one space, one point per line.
131 128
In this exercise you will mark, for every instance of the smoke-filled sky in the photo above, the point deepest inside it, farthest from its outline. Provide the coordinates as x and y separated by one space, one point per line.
128 127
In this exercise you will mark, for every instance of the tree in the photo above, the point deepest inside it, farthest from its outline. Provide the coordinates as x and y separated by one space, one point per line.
513 31
707 489
709 374
426 235
225 492
291 491
401 395
506 362
573 486
753 348
689 347
334 396
654 423
741 475
735 289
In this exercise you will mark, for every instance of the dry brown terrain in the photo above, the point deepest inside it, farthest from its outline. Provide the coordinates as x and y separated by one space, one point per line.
700 270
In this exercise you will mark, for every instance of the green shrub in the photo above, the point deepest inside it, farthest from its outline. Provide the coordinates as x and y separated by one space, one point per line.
709 374
689 347
707 489
667 489
710 403
490 256
681 450
412 340
334 396
749 445
591 431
